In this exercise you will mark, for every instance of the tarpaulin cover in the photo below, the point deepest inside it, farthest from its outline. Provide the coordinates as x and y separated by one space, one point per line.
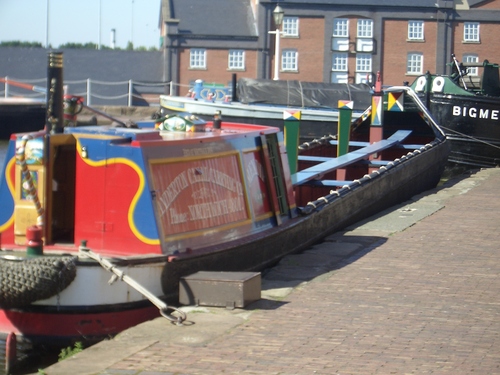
302 94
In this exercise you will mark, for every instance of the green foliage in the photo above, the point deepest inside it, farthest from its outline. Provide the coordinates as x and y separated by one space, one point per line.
87 45
70 351
17 43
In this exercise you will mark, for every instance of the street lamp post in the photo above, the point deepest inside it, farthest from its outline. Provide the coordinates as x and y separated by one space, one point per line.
278 20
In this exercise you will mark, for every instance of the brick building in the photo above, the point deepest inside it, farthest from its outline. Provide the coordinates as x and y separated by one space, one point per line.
324 40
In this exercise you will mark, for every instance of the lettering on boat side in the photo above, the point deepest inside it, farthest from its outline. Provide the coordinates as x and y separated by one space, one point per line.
200 150
472 112
199 194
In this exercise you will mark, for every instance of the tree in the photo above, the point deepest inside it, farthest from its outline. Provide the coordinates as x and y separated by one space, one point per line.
17 43
87 45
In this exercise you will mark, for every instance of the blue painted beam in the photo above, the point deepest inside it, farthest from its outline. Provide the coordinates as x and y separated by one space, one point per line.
315 172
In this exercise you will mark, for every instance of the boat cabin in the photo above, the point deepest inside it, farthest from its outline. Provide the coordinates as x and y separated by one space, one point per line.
145 191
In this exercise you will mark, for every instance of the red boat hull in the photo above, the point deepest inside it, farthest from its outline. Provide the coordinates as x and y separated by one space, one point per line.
64 328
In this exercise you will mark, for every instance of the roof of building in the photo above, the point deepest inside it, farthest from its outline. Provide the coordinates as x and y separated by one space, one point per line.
378 3
217 17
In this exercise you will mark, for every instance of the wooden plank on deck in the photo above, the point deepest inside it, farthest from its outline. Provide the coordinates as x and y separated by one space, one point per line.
315 172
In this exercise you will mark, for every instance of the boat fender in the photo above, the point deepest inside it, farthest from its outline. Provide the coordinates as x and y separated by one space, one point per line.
438 84
420 85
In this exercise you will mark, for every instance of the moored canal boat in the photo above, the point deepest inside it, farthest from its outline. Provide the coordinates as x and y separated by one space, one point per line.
466 104
268 102
99 223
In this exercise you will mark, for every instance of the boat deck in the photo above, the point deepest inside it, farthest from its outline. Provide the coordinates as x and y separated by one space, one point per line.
330 164
147 132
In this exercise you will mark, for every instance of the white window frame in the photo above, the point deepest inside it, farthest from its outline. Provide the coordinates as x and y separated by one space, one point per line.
471 32
341 27
339 62
415 30
289 60
290 26
471 58
365 28
236 59
414 63
364 62
197 58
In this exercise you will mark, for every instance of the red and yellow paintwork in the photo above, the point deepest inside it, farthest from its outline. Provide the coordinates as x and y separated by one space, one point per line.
137 193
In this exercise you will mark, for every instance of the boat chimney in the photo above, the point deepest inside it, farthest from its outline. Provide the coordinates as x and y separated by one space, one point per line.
55 107
234 96
217 120
198 88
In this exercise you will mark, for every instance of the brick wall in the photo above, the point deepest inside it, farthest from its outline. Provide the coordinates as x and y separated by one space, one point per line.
310 48
217 68
395 48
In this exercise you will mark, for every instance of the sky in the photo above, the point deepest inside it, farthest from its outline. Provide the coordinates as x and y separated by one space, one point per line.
81 21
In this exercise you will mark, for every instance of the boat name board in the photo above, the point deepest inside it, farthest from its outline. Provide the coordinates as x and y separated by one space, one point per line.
473 112
199 194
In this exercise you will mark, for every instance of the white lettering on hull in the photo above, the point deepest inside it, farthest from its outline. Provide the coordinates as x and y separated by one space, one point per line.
473 112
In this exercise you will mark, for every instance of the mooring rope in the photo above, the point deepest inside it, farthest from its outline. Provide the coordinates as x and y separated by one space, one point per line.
470 137
119 274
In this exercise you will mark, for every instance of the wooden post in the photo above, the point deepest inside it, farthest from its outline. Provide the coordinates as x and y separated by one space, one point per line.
292 128
376 128
344 126
377 118
343 132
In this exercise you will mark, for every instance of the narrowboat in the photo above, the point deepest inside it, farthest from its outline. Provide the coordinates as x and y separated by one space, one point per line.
98 224
269 102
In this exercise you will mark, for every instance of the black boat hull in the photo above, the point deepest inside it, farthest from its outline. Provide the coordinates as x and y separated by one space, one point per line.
21 118
472 124
403 180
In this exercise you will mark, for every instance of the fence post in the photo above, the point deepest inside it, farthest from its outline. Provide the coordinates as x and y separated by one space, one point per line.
88 92
130 92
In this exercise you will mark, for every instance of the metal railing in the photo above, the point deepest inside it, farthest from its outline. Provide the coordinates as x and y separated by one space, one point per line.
95 92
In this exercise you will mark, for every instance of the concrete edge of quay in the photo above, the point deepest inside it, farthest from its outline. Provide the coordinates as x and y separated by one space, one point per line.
317 263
